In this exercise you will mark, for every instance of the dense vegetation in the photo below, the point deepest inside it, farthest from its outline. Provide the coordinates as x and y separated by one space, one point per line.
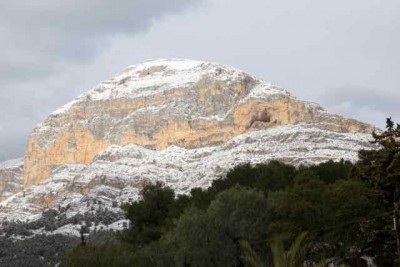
34 243
267 215
43 250
40 250
53 219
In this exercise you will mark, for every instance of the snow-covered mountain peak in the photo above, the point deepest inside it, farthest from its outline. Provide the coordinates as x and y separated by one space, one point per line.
182 122
156 76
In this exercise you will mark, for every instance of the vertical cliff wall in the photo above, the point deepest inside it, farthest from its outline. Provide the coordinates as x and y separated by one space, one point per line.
160 103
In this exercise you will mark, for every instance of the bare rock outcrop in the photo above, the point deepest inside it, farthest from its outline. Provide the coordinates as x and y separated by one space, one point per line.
163 103
11 181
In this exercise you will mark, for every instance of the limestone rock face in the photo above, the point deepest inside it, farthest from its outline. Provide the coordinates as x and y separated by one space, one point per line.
11 181
163 103
184 123
117 173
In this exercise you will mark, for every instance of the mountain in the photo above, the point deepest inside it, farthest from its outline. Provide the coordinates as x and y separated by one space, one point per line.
11 181
182 122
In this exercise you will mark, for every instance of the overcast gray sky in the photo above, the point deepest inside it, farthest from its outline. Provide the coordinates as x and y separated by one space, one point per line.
343 54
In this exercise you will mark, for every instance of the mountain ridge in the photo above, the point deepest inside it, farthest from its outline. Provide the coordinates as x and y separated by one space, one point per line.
182 122
160 103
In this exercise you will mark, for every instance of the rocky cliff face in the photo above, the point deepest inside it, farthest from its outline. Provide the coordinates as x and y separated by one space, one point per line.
189 104
181 122
11 181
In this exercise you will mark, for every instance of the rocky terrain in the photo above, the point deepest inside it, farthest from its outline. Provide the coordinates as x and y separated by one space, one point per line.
11 181
182 122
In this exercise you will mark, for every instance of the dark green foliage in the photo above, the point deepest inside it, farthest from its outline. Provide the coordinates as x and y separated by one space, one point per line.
98 255
381 168
158 254
331 171
103 250
152 215
15 228
52 219
254 205
49 220
266 177
47 250
201 198
293 257
39 250
235 215
380 171
346 210
332 214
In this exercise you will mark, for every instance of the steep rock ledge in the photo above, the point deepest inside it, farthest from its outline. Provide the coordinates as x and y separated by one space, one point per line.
161 103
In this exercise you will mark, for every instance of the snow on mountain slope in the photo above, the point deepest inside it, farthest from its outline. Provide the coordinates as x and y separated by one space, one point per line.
11 181
117 173
160 103
181 122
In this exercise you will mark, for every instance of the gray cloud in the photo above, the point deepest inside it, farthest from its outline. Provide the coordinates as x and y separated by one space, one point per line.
309 47
362 98
41 36
342 54
366 104
44 43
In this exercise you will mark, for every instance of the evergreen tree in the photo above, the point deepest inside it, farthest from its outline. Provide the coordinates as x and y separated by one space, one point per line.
380 169
151 216
213 237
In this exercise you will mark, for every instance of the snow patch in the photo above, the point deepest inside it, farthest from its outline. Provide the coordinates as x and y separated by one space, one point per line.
12 164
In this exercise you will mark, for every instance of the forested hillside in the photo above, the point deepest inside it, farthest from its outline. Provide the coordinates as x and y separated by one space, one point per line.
271 214
334 212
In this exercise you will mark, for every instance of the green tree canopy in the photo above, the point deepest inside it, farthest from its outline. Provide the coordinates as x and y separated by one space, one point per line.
212 237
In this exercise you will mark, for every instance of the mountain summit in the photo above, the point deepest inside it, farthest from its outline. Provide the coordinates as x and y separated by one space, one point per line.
182 122
190 104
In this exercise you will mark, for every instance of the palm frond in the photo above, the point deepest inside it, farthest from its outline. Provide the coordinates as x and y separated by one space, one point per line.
249 256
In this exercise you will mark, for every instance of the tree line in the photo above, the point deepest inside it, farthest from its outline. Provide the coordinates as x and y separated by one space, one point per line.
270 214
